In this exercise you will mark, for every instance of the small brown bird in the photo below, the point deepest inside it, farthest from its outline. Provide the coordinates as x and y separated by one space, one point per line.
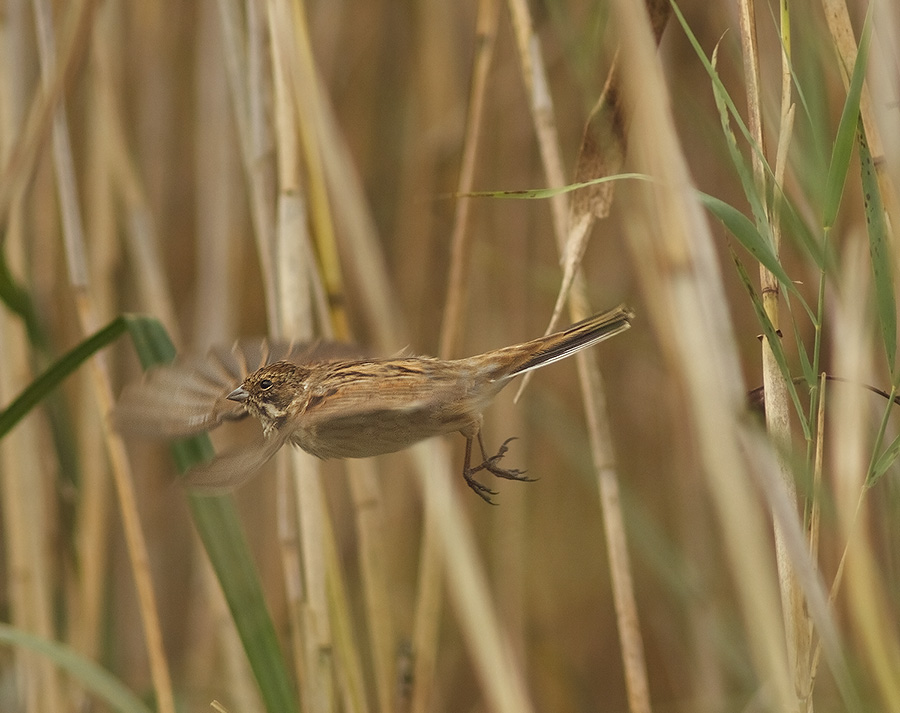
334 406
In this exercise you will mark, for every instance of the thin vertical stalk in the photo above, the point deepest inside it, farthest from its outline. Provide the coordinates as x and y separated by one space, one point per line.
369 511
673 254
427 619
495 665
143 239
73 239
24 496
336 656
94 503
534 73
867 603
247 66
300 526
460 240
429 603
593 397
26 510
303 78
774 384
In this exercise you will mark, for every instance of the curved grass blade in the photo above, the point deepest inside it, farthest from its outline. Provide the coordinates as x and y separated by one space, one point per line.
59 370
748 183
883 463
775 342
880 252
92 676
723 99
843 140
742 228
216 518
14 296
220 529
541 193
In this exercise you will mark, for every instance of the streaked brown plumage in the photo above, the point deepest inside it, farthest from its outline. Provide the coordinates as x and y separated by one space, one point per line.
337 407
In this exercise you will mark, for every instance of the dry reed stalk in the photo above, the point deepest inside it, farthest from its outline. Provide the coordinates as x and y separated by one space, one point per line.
364 256
313 528
19 161
298 483
429 602
73 239
867 602
684 293
501 681
143 242
427 618
215 310
93 507
454 314
838 19
248 67
501 678
218 190
512 525
370 519
348 649
534 74
26 512
134 537
777 405
363 478
362 253
302 76
593 393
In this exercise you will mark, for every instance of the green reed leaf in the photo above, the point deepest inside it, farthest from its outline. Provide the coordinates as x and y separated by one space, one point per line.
880 252
93 677
220 529
843 141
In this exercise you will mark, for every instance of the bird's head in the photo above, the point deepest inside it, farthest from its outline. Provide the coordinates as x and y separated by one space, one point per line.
269 392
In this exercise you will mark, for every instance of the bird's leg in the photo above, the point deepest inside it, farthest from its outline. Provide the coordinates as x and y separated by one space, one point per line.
481 490
490 464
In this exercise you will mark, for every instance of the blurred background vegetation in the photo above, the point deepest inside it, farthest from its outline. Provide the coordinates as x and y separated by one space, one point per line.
281 168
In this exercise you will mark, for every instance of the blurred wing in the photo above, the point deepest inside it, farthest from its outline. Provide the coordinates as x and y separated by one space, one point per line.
233 468
189 396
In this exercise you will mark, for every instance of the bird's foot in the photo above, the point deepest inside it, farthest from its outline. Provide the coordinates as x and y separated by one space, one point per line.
490 465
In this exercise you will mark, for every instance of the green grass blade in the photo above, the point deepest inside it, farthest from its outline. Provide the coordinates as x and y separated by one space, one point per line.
806 365
723 100
843 141
17 299
880 252
58 371
94 678
884 461
775 342
751 193
796 228
742 228
719 87
220 529
543 193
216 518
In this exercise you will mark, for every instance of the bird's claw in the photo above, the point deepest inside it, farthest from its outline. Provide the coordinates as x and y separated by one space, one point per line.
490 465
483 491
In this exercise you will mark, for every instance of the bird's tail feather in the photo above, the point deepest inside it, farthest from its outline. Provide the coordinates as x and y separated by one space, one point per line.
539 352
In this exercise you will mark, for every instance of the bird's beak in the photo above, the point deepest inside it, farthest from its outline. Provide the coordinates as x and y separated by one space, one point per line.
240 395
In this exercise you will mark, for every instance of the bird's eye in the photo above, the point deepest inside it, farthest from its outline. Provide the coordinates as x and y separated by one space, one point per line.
265 384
